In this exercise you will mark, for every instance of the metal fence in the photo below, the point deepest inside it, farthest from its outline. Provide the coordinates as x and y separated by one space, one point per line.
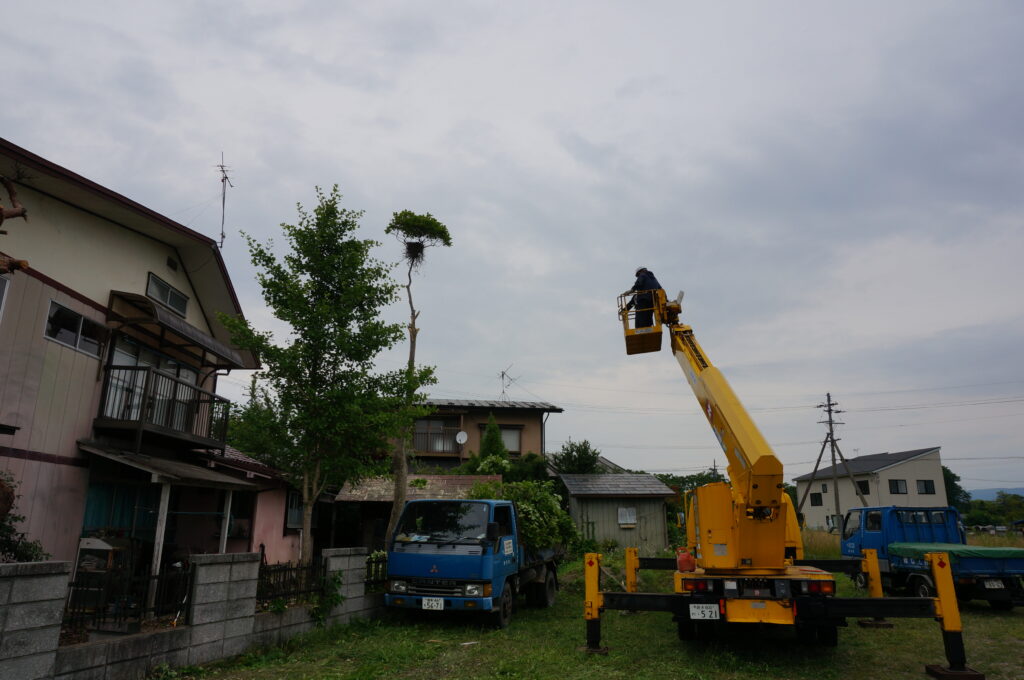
284 582
376 572
116 601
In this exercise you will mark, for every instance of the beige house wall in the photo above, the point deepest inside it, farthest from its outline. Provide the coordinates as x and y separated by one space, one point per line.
91 255
927 466
530 434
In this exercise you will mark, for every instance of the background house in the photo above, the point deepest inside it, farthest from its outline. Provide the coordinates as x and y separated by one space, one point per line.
435 438
110 352
365 508
907 478
628 509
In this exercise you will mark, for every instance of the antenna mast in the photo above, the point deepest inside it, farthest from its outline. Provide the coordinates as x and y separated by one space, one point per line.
225 182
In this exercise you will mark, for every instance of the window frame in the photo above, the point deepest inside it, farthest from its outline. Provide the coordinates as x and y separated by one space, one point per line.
926 484
895 485
816 496
864 486
824 488
170 289
625 513
104 333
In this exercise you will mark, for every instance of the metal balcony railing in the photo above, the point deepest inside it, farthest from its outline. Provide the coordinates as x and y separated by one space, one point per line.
437 441
142 396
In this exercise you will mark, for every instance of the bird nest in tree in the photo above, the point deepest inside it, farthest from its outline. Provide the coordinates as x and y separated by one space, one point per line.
414 250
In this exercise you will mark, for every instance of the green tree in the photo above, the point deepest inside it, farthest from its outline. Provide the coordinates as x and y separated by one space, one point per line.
542 521
576 458
417 233
322 416
955 494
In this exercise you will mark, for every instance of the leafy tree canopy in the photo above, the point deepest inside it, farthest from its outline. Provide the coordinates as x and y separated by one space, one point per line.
542 521
323 415
577 458
955 494
409 226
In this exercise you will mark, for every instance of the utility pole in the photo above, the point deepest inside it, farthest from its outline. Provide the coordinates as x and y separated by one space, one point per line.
833 444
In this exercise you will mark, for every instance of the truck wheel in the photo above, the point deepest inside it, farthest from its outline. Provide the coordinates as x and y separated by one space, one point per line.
1001 605
919 587
548 591
687 630
861 580
503 616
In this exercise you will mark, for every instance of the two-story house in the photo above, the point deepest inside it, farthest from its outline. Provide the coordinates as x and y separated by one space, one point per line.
110 352
907 478
453 432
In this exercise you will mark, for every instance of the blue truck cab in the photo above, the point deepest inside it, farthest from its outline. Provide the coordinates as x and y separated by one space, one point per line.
451 555
902 536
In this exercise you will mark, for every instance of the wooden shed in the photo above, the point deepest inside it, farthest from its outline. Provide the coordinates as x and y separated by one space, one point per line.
626 508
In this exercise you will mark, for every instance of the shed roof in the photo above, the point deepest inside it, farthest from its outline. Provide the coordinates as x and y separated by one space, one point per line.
483 404
862 465
382 489
624 485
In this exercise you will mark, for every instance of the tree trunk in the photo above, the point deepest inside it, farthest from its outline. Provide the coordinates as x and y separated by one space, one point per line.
399 457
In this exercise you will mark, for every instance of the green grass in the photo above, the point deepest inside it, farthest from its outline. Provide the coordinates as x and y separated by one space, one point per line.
547 644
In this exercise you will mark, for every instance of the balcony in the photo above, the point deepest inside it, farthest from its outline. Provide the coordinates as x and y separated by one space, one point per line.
437 442
148 403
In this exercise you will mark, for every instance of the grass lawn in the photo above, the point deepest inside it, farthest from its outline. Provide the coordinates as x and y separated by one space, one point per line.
546 644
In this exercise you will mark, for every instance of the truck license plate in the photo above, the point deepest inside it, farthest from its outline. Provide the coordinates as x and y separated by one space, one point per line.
433 603
704 612
993 583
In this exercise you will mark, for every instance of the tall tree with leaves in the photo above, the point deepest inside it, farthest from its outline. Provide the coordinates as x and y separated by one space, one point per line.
577 458
323 416
416 233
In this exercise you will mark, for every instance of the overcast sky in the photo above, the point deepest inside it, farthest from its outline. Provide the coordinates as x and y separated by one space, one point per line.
838 189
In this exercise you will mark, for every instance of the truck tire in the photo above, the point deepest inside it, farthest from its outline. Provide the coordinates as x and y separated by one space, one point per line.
502 616
687 630
860 581
1001 605
828 636
920 587
548 591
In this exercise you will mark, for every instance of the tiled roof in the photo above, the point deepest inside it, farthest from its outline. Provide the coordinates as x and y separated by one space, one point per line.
235 458
495 405
862 465
382 489
625 485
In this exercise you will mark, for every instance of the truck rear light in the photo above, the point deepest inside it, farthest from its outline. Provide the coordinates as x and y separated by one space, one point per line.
695 585
721 606
814 586
828 587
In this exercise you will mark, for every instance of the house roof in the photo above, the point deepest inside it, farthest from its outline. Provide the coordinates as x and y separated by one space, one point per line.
382 489
194 250
862 465
166 470
623 485
233 458
481 404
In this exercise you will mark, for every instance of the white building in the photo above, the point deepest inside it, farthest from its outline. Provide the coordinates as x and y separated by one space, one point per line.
905 478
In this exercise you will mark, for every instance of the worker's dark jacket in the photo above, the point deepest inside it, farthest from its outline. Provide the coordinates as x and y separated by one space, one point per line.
644 282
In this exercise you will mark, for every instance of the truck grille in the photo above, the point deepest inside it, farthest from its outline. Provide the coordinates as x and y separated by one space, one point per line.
439 589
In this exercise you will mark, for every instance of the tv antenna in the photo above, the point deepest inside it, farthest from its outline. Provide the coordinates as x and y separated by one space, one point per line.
506 381
225 182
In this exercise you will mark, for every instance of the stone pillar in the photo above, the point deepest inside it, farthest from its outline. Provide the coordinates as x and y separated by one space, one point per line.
32 596
223 605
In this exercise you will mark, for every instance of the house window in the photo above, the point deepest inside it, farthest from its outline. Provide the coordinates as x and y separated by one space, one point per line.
511 438
435 436
897 486
926 486
815 500
3 294
824 488
864 487
627 518
293 512
166 294
74 330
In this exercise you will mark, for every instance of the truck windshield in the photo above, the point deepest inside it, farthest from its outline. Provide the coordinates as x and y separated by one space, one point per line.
442 522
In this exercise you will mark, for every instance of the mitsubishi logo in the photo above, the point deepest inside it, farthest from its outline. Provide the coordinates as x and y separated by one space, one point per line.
434 569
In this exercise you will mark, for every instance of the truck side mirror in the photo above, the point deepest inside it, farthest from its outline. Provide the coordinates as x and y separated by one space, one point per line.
492 532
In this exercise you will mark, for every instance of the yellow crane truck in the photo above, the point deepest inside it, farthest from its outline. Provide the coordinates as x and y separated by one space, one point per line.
748 565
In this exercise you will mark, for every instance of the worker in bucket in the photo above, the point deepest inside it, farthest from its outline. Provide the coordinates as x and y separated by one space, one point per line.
644 288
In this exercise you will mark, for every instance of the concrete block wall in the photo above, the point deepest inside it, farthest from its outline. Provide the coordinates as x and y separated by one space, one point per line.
222 620
32 596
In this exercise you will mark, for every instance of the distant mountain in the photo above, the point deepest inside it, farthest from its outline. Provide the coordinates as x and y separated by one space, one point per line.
990 494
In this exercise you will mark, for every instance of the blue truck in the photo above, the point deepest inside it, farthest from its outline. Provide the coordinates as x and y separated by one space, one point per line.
466 556
902 536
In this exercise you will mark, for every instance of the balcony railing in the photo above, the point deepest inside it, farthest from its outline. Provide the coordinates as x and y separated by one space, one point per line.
142 396
437 441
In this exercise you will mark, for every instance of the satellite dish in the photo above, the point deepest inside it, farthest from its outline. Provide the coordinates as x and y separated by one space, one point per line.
461 438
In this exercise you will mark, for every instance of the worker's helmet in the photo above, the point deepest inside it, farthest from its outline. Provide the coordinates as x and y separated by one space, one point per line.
638 270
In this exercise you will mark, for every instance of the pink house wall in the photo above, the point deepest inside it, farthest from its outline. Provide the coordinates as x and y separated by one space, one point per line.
268 527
